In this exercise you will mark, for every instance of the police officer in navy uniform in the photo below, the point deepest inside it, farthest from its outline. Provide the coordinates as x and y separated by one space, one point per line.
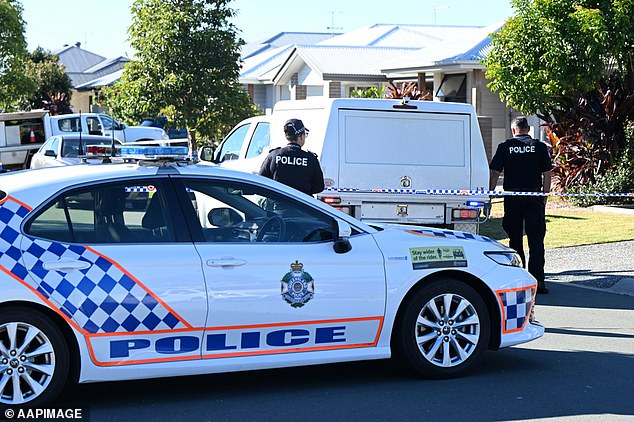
293 166
527 167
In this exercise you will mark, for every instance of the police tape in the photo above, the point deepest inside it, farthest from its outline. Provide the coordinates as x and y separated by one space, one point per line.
476 192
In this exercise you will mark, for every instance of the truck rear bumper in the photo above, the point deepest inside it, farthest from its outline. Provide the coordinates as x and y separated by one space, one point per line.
404 208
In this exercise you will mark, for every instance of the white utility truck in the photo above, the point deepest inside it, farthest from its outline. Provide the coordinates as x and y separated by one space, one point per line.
102 124
382 159
22 133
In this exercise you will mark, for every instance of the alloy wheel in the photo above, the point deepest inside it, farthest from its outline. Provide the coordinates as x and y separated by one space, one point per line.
447 330
27 362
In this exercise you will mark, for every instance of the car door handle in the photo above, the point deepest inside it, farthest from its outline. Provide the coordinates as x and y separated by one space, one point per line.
225 262
66 264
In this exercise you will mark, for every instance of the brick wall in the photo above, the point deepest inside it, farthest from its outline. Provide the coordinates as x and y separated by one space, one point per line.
486 128
334 90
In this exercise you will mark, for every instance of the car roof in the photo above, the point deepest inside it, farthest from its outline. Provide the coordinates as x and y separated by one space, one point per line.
55 178
35 185
83 173
85 136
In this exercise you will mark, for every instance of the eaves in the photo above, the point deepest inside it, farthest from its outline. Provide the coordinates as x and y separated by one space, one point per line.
361 78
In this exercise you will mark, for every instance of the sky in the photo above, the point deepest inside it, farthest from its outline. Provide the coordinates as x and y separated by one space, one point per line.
101 25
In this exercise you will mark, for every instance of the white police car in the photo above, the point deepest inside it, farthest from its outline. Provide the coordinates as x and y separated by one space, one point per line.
223 271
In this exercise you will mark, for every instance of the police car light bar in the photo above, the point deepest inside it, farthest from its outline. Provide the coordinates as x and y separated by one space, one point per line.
154 153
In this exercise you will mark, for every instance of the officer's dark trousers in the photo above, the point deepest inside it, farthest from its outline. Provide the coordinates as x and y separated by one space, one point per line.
527 213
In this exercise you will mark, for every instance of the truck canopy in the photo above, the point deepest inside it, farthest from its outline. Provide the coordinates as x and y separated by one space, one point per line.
379 145
23 115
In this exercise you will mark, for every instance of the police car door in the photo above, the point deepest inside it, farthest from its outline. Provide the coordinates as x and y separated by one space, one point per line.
275 284
110 257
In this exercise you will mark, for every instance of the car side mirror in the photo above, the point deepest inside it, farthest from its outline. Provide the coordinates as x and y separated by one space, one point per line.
224 217
50 153
342 237
206 154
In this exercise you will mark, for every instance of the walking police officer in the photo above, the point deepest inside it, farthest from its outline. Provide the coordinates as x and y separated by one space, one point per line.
527 167
293 166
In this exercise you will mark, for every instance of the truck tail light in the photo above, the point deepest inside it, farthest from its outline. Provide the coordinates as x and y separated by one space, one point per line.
331 200
464 214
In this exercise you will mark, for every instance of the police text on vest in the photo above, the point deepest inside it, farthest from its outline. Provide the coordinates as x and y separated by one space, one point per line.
521 150
292 161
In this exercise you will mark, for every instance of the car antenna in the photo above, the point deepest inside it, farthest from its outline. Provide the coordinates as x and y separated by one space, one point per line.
112 145
80 129
109 159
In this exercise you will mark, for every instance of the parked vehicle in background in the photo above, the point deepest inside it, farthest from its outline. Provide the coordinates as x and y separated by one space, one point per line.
247 145
161 122
375 154
102 124
21 135
65 150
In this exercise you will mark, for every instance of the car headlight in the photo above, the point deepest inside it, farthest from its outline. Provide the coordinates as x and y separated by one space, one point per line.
511 259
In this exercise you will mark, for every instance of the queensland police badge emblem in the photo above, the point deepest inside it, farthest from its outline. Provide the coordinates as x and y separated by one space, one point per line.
298 286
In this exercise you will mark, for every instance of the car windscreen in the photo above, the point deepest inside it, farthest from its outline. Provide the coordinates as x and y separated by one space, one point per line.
71 147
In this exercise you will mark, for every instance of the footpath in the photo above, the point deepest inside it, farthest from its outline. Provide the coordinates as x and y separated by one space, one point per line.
607 266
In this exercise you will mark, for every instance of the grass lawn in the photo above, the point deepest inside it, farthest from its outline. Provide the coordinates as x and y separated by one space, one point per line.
569 226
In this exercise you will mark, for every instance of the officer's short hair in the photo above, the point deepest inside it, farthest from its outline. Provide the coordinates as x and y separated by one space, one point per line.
520 123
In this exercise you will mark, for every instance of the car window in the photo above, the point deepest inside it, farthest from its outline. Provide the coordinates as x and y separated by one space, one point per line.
70 124
46 145
230 149
73 148
239 212
261 139
106 121
53 145
107 213
94 126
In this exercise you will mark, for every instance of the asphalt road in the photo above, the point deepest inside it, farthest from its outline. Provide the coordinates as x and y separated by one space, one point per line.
582 369
606 266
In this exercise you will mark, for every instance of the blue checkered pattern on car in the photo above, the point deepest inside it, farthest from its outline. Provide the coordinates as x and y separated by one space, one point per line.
450 234
517 307
139 189
100 299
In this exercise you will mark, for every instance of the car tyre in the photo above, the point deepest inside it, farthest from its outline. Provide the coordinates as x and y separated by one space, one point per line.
34 358
444 329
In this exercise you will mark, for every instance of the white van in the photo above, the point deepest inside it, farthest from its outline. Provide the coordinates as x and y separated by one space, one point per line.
378 155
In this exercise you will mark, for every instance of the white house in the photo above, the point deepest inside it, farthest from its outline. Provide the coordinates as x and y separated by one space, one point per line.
443 59
332 66
88 70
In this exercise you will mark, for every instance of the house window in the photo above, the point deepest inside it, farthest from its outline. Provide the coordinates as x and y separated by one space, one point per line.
453 88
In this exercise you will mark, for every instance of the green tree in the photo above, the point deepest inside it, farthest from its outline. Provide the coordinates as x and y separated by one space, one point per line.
187 67
53 84
552 49
371 92
14 84
571 62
